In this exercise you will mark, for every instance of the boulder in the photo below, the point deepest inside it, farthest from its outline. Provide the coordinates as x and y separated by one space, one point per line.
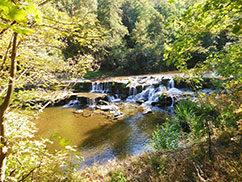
164 101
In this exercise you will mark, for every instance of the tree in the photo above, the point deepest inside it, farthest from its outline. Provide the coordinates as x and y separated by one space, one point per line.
33 55
212 18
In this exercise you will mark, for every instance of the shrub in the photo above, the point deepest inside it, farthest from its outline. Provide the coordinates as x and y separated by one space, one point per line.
29 158
118 176
166 136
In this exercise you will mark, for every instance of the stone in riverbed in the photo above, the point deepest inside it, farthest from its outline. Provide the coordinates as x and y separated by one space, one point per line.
164 101
146 110
108 107
79 111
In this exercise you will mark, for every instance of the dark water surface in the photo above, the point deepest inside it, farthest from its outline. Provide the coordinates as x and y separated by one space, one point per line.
96 137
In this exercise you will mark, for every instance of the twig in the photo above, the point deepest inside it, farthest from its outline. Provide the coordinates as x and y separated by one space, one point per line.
4 30
43 3
27 175
199 172
41 109
16 80
20 163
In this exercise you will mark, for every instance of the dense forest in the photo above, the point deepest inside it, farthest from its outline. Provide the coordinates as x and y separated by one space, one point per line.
45 42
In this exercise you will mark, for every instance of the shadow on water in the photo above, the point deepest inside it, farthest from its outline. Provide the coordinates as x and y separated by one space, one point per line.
97 138
122 138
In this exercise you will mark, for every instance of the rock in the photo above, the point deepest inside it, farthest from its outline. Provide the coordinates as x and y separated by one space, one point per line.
140 101
98 111
108 107
79 111
103 102
164 101
140 109
118 115
87 113
146 110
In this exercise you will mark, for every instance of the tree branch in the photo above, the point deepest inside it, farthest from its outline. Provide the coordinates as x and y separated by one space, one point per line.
4 107
4 30
8 98
5 56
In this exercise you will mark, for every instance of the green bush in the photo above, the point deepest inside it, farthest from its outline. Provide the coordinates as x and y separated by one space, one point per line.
29 158
193 117
118 176
165 136
94 74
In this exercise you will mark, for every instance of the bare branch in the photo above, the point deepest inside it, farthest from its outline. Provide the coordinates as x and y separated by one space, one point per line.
44 2
199 172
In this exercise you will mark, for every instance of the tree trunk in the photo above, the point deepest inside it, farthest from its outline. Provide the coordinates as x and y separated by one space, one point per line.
4 107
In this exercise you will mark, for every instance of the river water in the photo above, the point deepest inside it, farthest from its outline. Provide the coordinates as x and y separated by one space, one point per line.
98 138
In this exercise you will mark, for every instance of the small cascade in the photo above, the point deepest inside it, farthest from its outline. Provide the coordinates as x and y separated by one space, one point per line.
92 103
99 87
132 91
72 104
171 84
115 98
171 90
147 90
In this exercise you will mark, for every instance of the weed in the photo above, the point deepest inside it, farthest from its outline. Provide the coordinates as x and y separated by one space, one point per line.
159 164
118 176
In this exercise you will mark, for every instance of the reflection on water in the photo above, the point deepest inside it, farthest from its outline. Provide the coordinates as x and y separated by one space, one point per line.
98 138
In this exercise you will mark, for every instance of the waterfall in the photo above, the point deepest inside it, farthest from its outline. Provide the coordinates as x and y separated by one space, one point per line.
149 94
91 103
115 98
99 87
171 84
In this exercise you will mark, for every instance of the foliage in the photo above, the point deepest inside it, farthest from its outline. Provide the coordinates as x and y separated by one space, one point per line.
192 117
118 176
42 54
159 164
94 74
38 33
221 19
30 159
140 50
166 136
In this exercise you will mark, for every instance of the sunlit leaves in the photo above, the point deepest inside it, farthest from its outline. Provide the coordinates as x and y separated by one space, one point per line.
31 156
221 19
19 14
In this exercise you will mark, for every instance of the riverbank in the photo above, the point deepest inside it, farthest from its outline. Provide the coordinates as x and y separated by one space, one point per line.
183 164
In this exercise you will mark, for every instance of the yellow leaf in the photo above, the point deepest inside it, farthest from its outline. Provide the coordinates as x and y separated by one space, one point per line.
238 111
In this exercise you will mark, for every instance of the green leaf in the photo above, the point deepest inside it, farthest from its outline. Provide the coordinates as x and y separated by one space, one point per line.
56 136
64 142
18 14
4 6
236 29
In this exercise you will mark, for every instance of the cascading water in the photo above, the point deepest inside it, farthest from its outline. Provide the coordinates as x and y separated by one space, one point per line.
151 90
115 98
171 84
99 87
92 103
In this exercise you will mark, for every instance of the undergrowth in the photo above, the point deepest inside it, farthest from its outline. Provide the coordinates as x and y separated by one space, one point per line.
191 163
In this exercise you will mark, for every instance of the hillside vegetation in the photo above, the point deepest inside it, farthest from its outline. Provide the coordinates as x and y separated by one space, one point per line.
45 42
